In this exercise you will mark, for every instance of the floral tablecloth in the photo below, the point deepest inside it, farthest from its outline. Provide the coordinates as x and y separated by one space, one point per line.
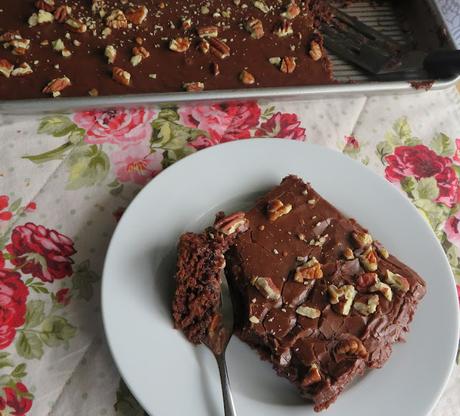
65 180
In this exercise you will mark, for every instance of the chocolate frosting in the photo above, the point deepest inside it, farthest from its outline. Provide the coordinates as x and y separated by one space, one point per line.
273 249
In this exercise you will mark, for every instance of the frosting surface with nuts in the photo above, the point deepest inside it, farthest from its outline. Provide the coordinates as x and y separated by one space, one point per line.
343 301
182 44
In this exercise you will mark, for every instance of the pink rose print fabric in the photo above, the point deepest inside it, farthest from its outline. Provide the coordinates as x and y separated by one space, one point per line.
421 162
5 215
14 402
41 252
285 126
120 126
13 297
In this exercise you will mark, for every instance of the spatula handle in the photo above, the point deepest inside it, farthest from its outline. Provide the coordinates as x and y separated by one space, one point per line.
443 63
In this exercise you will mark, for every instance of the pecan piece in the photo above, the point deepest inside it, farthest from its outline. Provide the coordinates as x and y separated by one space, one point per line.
381 249
6 67
76 25
116 20
276 208
203 46
47 5
311 270
348 254
315 51
22 70
366 280
351 346
219 48
11 35
266 286
348 292
369 260
186 24
262 6
255 28
208 31
292 11
397 281
62 13
140 50
44 17
284 29
361 239
230 224
308 312
179 45
20 46
246 77
288 64
137 15
193 86
215 69
369 307
121 76
312 377
110 53
383 288
56 85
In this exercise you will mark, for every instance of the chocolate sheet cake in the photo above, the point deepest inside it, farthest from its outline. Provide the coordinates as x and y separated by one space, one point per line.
103 47
314 293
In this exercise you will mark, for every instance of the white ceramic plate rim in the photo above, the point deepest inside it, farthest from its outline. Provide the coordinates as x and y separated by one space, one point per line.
270 148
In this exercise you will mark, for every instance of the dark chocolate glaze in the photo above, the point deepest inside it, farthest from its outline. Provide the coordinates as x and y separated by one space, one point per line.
88 69
293 343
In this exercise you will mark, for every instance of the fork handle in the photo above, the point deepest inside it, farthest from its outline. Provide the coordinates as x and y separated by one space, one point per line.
229 406
443 63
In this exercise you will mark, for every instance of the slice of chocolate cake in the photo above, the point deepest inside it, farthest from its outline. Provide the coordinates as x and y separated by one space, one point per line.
313 293
317 296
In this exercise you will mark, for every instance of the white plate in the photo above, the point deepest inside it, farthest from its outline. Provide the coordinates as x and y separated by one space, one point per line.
169 376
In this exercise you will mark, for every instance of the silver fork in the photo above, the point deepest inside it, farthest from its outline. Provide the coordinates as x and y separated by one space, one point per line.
217 343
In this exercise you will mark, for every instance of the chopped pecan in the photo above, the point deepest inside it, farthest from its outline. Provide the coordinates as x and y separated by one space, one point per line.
62 13
348 292
383 288
315 51
93 92
219 48
20 46
56 85
121 76
308 312
136 60
215 69
351 346
381 249
186 24
275 60
254 319
47 5
361 239
284 29
44 17
22 70
366 280
262 6
203 46
312 377
230 224
311 270
397 281
348 253
76 25
208 31
369 260
110 53
276 208
266 286
193 86
246 77
116 20
6 67
137 15
140 50
292 11
179 45
255 28
285 358
288 64
11 35
369 307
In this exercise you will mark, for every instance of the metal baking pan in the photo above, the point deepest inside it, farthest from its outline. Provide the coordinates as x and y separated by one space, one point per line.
424 24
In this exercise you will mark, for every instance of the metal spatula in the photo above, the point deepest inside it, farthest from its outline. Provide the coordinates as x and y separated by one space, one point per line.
352 40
